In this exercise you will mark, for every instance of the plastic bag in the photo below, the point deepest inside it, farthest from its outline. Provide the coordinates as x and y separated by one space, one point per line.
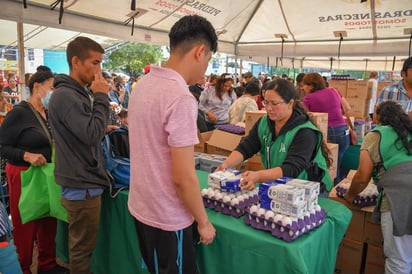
40 195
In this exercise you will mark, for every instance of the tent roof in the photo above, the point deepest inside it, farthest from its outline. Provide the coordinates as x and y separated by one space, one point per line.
302 32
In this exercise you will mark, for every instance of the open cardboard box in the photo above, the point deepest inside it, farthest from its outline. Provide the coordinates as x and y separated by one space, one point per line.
222 142
203 138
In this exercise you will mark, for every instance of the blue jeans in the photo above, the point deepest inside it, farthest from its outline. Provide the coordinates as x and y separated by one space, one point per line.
339 135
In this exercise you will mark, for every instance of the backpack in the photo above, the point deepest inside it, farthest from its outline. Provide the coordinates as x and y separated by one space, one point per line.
117 156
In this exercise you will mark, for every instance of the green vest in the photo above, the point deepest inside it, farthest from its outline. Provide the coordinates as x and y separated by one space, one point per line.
391 149
273 154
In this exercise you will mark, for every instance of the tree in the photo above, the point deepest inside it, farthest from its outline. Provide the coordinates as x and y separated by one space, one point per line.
132 58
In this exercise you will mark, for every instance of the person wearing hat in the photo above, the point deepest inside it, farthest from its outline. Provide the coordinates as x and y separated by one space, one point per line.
400 91
247 102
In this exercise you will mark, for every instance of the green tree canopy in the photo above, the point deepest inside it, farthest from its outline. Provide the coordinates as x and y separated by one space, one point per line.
132 58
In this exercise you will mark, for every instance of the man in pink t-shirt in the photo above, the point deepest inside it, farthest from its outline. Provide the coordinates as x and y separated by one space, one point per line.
164 196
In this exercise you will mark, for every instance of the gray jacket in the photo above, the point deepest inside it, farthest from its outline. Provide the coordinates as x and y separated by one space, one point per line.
79 121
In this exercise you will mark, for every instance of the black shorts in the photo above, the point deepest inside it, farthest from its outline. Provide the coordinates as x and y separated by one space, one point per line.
170 252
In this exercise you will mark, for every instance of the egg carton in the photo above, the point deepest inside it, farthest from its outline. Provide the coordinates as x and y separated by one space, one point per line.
231 128
233 204
367 197
283 226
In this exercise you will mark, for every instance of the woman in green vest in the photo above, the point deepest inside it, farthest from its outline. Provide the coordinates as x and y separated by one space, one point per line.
386 155
288 142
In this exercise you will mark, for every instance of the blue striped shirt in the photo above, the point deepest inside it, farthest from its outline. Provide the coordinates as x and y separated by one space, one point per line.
4 222
396 92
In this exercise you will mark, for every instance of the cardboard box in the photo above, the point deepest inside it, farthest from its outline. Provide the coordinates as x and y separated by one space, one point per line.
321 121
222 142
254 163
355 229
381 85
251 118
340 85
359 89
359 107
334 149
372 233
356 226
375 260
203 138
350 257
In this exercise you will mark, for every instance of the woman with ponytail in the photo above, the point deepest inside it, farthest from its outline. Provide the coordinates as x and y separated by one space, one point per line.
386 156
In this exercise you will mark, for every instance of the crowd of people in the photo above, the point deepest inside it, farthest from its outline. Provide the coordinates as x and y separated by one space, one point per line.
69 115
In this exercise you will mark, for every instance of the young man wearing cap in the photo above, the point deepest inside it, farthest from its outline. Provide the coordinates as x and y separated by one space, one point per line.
164 195
402 90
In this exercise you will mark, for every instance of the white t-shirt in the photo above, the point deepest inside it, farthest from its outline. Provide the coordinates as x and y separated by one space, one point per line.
374 94
162 114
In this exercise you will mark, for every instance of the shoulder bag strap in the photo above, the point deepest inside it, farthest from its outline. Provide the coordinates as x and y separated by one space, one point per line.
41 123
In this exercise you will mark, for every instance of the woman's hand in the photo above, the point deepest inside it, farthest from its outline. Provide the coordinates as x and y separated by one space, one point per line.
35 159
211 116
249 178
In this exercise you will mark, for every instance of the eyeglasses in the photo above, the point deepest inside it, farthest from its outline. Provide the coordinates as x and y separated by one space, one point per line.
272 103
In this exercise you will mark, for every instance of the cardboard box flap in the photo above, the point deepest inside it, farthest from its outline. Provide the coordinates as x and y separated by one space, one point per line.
204 136
224 140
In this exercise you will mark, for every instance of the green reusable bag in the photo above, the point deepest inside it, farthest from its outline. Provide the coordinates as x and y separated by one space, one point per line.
40 195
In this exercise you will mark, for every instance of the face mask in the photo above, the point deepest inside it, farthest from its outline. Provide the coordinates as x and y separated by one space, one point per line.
46 99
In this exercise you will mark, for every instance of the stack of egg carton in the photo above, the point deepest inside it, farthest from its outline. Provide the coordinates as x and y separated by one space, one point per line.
288 208
366 198
231 128
224 193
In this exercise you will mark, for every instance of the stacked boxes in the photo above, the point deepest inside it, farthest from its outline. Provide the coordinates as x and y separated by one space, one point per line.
340 85
208 162
361 250
251 118
288 208
321 121
224 193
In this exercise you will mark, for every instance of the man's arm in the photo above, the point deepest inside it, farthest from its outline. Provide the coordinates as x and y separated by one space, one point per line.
188 189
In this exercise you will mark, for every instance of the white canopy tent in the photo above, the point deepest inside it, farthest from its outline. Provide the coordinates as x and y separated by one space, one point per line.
338 34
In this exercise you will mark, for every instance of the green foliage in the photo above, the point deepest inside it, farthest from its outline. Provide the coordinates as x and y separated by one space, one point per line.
132 58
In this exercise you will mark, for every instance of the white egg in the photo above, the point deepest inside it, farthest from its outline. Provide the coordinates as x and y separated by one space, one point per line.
234 202
269 214
226 199
219 196
211 193
261 212
204 192
277 218
286 221
253 209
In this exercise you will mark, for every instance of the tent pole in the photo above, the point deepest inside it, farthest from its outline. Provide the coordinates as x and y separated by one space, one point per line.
20 46
227 63
393 63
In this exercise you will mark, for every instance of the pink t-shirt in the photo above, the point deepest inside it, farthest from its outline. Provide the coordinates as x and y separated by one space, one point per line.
162 114
326 100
